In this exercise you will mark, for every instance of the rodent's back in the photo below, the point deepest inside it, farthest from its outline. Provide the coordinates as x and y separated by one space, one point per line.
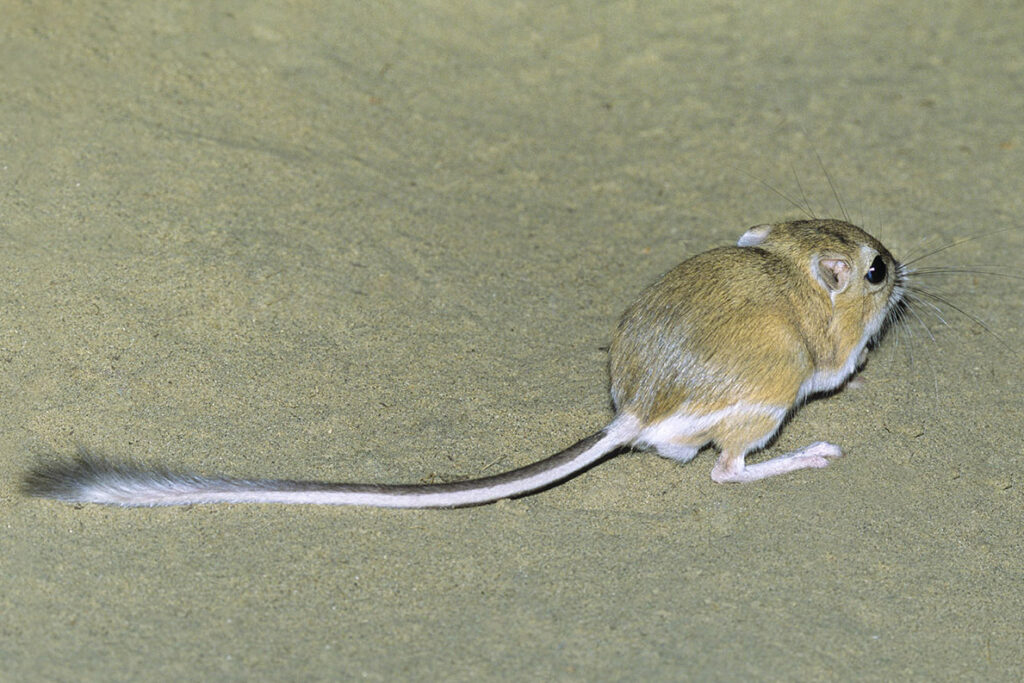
724 326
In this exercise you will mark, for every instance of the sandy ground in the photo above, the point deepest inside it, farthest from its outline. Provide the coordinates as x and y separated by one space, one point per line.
390 244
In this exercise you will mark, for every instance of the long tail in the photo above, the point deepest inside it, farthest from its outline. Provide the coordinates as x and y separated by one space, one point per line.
87 479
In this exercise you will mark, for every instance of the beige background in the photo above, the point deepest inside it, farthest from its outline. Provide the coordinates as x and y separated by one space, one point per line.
389 242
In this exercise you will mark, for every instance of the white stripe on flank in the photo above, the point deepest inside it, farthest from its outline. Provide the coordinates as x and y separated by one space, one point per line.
683 424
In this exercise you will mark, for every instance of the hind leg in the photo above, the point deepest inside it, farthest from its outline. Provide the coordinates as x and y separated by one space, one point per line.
731 466
742 436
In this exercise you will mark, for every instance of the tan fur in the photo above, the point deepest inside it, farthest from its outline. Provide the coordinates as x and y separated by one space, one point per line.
763 324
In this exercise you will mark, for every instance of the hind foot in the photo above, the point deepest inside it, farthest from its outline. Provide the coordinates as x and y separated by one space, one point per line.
731 467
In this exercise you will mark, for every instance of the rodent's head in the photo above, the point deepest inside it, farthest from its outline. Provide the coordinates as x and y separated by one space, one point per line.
855 270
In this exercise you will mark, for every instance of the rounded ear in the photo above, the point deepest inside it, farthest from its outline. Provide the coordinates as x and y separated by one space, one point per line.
754 236
832 272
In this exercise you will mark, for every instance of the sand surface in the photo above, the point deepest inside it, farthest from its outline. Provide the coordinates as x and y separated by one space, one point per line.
389 242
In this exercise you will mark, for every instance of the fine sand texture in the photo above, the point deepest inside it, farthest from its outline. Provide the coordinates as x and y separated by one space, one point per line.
389 242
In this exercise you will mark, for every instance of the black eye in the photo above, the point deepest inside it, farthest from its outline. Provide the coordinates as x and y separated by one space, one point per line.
876 273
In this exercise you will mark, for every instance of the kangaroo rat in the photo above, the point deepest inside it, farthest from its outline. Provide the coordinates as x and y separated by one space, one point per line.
720 350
